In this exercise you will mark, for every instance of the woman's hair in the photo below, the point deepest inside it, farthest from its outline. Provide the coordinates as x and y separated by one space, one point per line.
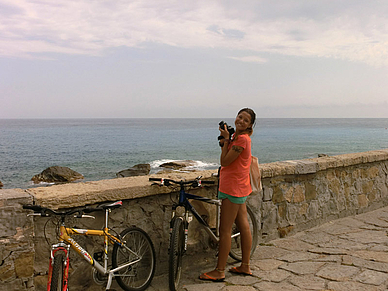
249 130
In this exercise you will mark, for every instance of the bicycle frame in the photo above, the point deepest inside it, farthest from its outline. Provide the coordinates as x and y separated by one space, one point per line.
184 202
65 236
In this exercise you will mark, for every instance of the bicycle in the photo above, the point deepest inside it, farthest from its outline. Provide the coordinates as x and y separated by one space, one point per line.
133 254
179 227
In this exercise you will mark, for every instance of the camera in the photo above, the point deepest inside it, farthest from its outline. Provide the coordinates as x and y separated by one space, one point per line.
228 128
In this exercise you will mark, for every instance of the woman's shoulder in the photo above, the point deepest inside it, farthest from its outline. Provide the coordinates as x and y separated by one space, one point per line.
243 139
245 136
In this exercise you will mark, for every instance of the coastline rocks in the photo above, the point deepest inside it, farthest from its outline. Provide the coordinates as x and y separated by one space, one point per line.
136 170
176 165
1 185
57 174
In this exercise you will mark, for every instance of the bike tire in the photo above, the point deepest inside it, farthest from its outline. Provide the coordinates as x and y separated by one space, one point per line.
136 277
177 243
57 273
235 250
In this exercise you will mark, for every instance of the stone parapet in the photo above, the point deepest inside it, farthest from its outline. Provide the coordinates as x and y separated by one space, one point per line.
83 193
296 195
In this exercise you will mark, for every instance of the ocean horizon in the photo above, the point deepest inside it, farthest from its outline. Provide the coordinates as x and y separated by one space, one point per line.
98 148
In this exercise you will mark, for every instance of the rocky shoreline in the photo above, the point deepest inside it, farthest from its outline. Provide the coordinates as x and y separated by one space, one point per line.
60 175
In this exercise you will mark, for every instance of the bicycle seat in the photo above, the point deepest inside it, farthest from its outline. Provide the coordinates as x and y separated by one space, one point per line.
111 205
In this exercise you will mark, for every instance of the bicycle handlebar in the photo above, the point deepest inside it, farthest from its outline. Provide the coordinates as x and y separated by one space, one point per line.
196 183
43 211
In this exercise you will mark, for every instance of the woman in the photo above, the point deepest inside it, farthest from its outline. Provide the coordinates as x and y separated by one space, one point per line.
234 189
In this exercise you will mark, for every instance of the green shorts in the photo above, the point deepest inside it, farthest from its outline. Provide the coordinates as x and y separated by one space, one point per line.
233 199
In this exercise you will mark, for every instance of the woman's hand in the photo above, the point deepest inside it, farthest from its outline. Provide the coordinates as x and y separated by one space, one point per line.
224 132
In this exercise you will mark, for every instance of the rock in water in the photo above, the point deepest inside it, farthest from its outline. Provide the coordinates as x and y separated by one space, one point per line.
136 170
177 164
1 185
57 174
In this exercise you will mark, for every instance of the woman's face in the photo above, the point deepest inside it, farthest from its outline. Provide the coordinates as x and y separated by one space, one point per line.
243 121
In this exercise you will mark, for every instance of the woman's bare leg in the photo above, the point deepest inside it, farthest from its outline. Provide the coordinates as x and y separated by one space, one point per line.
246 238
229 213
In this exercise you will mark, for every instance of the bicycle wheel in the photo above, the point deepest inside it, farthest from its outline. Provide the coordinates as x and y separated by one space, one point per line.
177 242
235 250
57 273
137 248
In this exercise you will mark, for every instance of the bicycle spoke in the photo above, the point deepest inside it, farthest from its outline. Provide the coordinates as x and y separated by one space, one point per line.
136 259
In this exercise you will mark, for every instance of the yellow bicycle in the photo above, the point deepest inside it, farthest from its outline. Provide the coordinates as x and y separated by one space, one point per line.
133 254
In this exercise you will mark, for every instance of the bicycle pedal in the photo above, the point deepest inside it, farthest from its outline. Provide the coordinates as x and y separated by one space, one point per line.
99 256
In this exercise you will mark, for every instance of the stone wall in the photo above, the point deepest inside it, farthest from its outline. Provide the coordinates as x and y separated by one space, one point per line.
296 195
301 194
16 246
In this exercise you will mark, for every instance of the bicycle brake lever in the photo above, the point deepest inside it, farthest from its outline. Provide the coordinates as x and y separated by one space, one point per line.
88 216
36 214
84 216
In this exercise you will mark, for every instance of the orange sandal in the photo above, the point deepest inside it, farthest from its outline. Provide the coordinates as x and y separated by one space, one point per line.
236 271
206 277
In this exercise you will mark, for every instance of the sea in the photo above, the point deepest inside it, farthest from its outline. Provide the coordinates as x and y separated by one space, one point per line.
99 148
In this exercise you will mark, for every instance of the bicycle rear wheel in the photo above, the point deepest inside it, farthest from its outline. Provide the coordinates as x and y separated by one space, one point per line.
57 273
235 251
137 247
177 243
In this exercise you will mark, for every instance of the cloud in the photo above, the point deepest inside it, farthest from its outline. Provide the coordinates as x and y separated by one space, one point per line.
250 59
350 30
230 33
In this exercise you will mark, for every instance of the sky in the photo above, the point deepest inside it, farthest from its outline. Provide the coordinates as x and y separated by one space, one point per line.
167 59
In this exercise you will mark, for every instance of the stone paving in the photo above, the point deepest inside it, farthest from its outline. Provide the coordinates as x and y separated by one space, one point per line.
346 254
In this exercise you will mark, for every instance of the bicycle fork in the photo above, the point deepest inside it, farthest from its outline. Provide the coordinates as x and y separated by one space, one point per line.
62 247
186 220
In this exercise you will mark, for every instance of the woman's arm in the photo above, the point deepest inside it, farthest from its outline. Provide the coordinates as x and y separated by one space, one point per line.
228 156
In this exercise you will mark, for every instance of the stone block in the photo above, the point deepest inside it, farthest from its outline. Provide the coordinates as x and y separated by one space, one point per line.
299 194
372 277
351 159
302 268
304 166
374 156
372 172
277 169
367 186
282 210
303 209
289 193
335 186
310 192
363 200
24 264
325 163
277 196
336 272
267 193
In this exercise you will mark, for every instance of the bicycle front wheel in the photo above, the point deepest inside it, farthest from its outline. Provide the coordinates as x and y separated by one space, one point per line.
177 245
235 251
57 273
136 256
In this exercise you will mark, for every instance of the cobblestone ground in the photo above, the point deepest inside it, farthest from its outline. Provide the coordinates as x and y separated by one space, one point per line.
346 254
